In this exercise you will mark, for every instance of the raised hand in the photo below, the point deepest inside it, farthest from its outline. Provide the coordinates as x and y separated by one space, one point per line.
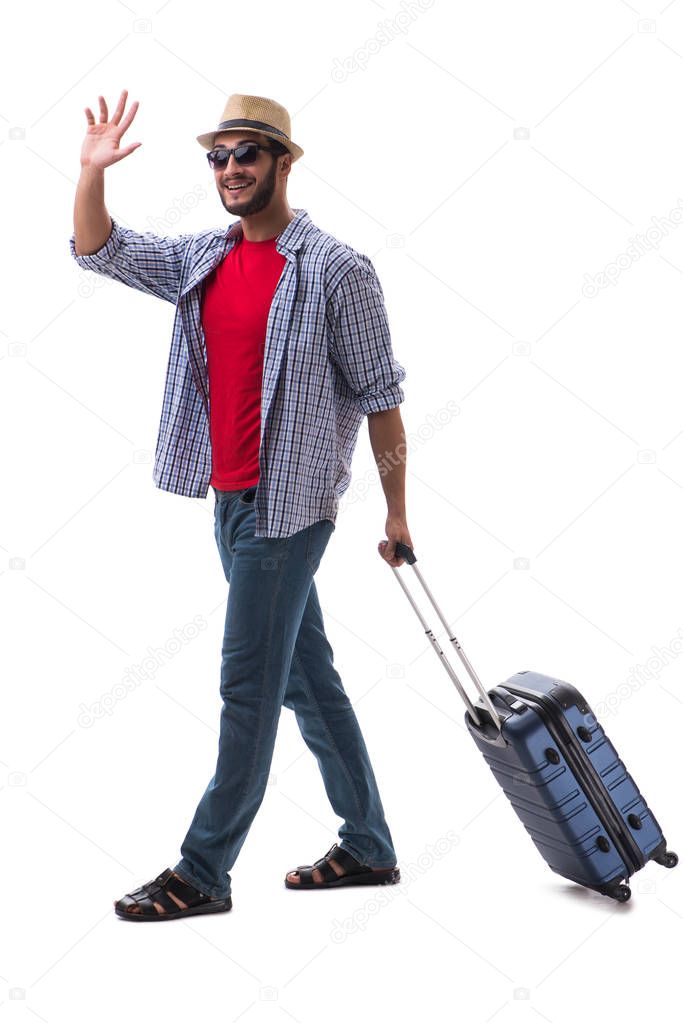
101 143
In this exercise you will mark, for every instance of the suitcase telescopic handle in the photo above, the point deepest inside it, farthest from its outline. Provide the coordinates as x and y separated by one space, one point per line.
404 551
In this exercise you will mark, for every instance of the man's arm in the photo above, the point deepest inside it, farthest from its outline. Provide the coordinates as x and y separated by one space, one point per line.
360 345
92 223
388 441
359 342
101 149
148 262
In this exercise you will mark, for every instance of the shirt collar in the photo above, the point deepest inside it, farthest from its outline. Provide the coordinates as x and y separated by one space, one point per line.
291 239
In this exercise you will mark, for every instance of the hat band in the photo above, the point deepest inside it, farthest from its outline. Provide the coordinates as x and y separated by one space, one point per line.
241 122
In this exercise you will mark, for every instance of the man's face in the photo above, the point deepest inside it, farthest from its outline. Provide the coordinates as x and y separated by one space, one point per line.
260 177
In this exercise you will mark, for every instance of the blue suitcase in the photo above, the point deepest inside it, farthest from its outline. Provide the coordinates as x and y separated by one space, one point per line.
561 773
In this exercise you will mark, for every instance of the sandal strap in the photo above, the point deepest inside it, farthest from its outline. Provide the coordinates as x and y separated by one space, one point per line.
345 860
327 870
155 893
186 892
158 891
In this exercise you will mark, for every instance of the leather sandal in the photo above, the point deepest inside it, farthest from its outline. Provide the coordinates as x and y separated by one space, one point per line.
354 872
143 903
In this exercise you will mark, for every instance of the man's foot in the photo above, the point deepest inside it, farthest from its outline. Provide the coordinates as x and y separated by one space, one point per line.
168 897
338 868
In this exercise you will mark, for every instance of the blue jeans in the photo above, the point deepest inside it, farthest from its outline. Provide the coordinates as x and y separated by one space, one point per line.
275 652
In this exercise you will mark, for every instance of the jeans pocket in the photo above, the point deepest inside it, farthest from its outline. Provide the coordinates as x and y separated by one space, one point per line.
247 496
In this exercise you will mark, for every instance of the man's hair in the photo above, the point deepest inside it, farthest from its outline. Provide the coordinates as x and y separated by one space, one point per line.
276 148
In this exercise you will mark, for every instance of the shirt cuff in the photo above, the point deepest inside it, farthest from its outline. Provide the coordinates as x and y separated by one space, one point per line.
380 401
95 260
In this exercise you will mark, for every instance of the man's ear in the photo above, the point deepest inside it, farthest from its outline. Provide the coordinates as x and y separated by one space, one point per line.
286 164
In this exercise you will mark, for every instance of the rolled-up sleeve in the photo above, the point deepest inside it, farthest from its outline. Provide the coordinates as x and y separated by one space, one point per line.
359 342
145 261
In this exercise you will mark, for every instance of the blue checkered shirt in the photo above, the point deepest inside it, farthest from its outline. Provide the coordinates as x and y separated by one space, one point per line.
328 362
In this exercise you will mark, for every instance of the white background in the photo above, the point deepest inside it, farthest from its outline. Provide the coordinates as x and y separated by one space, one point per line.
492 159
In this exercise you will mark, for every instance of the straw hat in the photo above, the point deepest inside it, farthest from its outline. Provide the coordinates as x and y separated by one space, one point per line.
257 113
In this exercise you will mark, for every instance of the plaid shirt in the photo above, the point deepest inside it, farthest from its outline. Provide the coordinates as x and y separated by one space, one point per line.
328 362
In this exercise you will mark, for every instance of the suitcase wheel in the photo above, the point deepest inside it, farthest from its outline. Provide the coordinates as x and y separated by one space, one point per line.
667 859
616 890
622 893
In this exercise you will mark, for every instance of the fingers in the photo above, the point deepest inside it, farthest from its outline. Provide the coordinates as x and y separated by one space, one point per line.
116 116
125 124
120 153
118 113
392 560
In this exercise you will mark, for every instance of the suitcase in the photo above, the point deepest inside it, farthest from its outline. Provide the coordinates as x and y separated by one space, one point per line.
561 773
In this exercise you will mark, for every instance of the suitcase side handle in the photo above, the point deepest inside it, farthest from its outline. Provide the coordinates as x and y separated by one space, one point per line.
404 551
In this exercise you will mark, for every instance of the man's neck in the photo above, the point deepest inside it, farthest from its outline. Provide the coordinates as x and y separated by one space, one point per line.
267 223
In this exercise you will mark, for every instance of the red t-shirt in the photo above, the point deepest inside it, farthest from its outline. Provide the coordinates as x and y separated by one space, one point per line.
236 301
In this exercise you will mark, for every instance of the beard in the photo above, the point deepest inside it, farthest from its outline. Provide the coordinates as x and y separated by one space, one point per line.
260 198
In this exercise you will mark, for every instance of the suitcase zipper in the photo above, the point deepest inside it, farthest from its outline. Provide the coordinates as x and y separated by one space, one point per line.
593 784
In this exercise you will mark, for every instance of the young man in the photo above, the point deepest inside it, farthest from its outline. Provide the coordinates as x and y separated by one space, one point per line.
280 348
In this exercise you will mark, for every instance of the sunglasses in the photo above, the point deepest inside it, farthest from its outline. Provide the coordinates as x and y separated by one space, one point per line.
244 155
